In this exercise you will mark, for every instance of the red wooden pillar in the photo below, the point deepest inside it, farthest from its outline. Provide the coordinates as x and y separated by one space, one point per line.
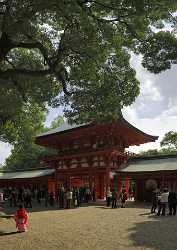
56 179
90 173
107 177
101 179
127 185
119 185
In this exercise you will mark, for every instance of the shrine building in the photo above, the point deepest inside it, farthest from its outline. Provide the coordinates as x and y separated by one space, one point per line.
158 171
91 154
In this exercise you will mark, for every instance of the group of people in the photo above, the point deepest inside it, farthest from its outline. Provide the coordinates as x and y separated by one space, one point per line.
74 197
24 196
63 198
112 197
164 200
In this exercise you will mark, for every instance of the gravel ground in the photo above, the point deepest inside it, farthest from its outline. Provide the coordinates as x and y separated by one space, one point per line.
92 228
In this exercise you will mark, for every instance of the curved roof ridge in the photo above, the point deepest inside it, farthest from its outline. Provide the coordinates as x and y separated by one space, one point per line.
138 130
65 127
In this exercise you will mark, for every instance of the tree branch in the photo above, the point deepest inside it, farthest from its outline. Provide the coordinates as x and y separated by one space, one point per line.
6 74
64 85
9 73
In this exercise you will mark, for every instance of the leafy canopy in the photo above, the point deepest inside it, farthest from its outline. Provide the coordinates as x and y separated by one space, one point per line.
81 47
25 154
168 144
170 140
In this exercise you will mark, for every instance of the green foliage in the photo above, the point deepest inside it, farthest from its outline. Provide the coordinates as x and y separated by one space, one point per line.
80 47
149 152
156 152
25 154
110 88
170 140
162 151
159 51
57 122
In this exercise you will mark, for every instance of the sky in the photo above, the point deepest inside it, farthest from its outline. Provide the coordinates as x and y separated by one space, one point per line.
154 111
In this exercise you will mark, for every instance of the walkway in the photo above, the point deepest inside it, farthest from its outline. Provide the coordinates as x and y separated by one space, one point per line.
92 228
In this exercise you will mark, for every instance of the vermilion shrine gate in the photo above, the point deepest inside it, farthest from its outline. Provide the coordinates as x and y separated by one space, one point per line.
90 154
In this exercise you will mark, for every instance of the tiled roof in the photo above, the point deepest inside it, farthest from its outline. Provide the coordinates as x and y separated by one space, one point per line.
25 174
150 165
64 127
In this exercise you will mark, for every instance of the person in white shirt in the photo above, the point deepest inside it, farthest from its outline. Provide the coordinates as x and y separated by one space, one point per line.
1 199
108 197
69 196
163 202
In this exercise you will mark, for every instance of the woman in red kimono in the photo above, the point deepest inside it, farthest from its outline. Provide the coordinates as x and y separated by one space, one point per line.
22 219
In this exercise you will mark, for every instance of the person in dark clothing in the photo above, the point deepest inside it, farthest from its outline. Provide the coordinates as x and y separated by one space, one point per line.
38 196
28 198
20 195
172 203
75 200
46 197
114 198
61 197
51 199
123 198
13 198
154 201
93 194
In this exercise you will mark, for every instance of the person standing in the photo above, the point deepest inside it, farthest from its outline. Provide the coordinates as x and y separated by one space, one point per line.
69 196
93 194
108 197
28 198
1 199
20 195
114 198
87 194
46 197
51 199
172 203
123 198
61 197
75 203
154 200
163 202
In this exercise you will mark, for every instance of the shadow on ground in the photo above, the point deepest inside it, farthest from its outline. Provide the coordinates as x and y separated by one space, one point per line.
2 233
129 204
8 211
158 233
98 204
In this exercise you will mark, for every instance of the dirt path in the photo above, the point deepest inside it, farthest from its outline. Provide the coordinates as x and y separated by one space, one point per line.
92 228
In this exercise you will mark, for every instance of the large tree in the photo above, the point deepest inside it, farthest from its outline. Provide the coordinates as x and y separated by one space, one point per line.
159 51
78 46
25 153
170 140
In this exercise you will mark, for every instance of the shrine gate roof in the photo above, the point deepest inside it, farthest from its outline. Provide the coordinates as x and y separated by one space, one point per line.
121 129
150 165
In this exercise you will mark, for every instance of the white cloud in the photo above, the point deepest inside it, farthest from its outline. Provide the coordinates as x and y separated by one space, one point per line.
158 126
150 91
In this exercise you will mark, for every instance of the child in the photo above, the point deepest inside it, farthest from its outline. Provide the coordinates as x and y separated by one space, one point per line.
22 219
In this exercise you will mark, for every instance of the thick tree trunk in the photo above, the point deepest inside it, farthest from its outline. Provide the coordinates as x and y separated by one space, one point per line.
5 46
